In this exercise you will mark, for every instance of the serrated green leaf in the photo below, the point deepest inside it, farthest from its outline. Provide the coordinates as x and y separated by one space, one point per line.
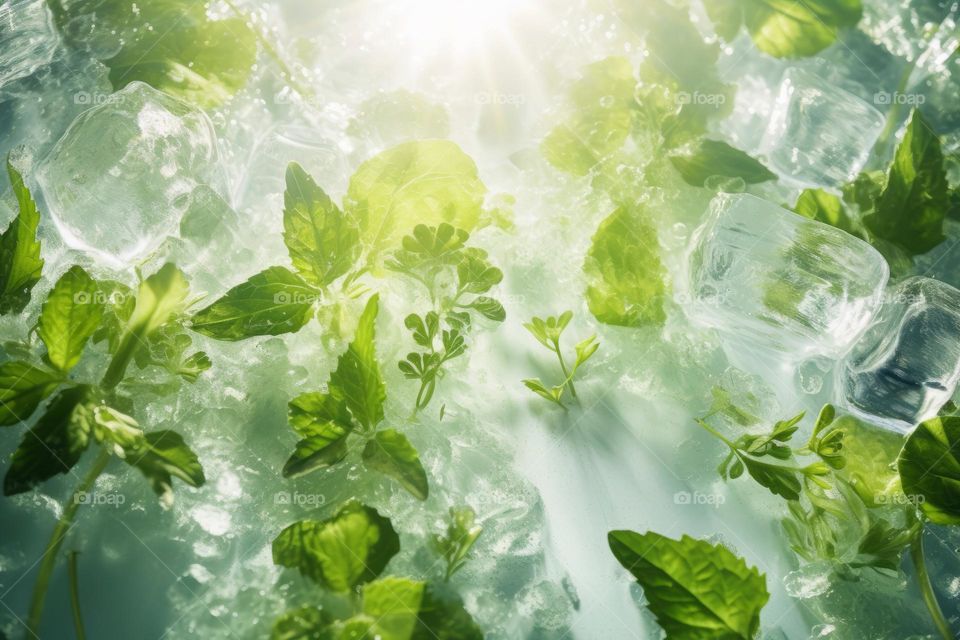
819 205
273 302
696 590
23 387
162 456
317 452
710 158
352 547
70 315
781 481
390 453
357 377
323 243
929 467
311 413
20 261
404 609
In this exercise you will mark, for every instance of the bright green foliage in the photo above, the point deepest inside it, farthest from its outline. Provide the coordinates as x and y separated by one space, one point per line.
821 206
784 28
696 590
23 387
353 405
20 261
341 552
911 209
422 182
547 331
170 44
930 467
161 456
709 158
305 623
69 317
625 280
462 533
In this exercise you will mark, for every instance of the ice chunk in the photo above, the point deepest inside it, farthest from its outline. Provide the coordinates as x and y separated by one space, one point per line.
28 39
907 365
818 133
769 278
118 181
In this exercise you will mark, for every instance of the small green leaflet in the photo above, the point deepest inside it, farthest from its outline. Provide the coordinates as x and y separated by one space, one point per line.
821 206
273 302
390 453
625 279
697 591
70 315
20 261
911 209
324 448
23 387
160 298
357 377
162 456
785 28
462 533
929 467
350 548
323 243
305 623
709 158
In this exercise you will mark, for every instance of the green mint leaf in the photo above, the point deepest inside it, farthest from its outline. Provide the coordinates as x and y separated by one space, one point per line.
714 158
819 205
323 243
489 308
54 445
161 297
172 45
929 467
195 364
273 302
318 451
781 481
625 278
422 182
390 453
311 414
70 315
695 589
404 609
462 533
119 302
162 456
20 262
350 548
911 209
882 546
305 623
357 378
23 387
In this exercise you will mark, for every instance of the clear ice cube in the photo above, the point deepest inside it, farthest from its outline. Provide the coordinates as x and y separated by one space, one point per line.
907 365
768 278
28 39
118 181
818 133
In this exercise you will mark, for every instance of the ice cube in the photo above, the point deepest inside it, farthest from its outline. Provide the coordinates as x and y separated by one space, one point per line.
818 133
907 365
771 279
28 39
118 181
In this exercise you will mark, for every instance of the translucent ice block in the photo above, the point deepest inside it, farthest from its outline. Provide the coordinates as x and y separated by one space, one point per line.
768 278
118 181
28 39
907 365
818 134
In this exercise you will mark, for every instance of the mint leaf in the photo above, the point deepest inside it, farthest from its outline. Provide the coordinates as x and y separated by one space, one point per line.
70 315
423 182
161 297
324 448
404 609
162 456
489 308
273 302
20 262
54 445
780 480
323 243
305 623
311 414
929 467
23 387
911 209
357 378
352 547
821 206
714 158
695 589
390 453
625 279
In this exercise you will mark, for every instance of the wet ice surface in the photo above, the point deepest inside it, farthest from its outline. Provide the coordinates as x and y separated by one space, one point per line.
27 38
546 486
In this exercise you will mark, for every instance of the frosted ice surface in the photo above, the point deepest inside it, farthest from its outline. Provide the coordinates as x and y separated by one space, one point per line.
768 277
117 182
28 39
907 365
818 133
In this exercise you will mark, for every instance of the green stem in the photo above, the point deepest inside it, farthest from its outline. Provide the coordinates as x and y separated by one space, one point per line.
75 594
926 588
60 531
563 367
703 424
121 360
